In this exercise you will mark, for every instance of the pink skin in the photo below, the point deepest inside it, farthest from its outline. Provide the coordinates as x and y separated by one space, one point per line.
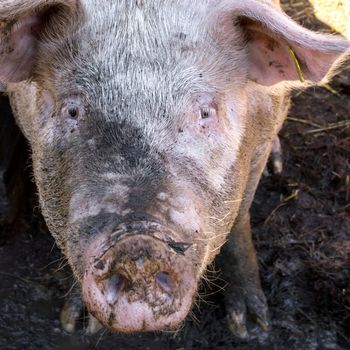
23 45
137 284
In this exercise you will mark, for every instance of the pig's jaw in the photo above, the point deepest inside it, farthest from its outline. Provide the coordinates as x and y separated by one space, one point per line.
139 284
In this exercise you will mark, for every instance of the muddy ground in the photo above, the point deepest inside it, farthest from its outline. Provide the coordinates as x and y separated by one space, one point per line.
301 228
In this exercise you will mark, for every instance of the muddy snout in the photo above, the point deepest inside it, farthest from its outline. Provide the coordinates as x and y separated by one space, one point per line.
139 284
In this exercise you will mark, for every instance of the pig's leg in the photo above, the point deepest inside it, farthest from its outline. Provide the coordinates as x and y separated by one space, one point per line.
245 302
276 157
276 160
93 326
246 305
72 311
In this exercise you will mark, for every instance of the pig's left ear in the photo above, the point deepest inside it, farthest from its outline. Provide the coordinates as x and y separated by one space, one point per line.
281 50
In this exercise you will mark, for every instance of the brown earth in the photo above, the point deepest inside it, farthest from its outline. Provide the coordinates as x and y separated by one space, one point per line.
301 227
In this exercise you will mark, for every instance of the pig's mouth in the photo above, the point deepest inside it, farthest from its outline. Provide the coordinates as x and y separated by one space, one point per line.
139 283
146 228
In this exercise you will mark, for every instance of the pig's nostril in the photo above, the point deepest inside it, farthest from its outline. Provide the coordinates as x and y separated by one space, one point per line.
100 265
117 281
164 280
115 285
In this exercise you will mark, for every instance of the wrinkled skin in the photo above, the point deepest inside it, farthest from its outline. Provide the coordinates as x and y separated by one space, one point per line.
150 126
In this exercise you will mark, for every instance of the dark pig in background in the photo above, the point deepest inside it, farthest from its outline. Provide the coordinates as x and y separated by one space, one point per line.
150 124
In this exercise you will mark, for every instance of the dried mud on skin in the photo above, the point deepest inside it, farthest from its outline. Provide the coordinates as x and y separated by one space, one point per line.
301 223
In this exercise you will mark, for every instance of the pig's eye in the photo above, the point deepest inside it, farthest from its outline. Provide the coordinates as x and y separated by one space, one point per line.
207 112
73 108
73 112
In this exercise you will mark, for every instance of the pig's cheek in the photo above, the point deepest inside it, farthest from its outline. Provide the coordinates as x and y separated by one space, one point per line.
44 127
209 128
68 128
56 131
198 140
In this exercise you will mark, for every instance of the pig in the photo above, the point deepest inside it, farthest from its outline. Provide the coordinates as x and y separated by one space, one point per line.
150 124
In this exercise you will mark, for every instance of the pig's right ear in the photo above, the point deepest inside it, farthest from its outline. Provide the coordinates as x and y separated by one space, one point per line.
278 49
25 27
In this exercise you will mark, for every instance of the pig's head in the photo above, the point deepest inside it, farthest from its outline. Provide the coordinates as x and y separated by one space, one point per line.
137 113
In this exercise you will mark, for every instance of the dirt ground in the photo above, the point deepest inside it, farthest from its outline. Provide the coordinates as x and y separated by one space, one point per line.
301 226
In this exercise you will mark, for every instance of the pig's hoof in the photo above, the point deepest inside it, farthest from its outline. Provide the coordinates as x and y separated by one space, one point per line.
71 315
93 326
276 160
247 315
275 165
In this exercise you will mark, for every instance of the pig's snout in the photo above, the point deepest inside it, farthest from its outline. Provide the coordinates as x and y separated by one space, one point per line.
140 284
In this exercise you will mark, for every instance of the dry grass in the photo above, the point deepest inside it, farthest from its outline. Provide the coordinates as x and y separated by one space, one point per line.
333 13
